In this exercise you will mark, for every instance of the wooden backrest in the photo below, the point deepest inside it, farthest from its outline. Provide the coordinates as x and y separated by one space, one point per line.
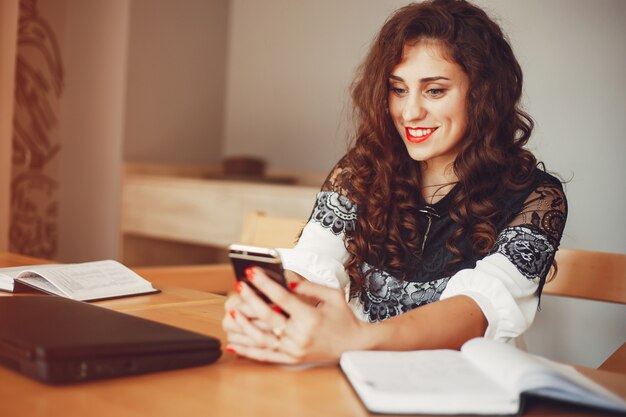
599 276
260 229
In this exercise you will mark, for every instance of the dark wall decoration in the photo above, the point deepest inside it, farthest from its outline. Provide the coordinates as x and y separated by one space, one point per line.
36 144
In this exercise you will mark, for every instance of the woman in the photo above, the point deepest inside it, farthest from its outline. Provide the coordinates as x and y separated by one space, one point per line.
437 226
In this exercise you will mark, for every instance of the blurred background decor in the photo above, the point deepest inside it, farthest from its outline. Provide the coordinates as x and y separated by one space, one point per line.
36 143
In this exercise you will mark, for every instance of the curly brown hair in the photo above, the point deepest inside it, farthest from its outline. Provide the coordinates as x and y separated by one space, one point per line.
384 178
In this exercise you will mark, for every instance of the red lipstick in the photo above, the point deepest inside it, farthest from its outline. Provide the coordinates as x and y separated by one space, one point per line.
420 134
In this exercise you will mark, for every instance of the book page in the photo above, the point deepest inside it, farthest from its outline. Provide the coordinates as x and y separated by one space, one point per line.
45 285
428 381
564 382
6 282
527 373
502 362
8 274
6 278
428 371
89 280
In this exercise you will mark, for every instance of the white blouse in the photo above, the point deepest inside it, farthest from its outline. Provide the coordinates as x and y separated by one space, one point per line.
503 283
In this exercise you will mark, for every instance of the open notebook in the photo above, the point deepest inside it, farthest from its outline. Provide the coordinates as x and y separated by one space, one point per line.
58 340
485 377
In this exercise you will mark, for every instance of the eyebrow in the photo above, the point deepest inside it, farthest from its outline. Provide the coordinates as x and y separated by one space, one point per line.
423 80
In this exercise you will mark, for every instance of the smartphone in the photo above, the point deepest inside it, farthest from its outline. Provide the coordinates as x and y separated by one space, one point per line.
243 257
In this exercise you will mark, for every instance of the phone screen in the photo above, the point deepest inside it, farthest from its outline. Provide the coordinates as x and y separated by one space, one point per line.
243 257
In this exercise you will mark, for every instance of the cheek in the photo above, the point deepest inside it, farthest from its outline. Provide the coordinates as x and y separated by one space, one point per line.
456 114
462 118
394 107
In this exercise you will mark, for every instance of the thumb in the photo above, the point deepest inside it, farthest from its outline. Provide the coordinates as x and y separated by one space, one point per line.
319 292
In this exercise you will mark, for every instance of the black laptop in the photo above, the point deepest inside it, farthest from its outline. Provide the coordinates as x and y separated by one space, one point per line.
58 340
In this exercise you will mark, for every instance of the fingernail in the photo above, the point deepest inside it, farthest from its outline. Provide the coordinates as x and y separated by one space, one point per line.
232 314
238 286
277 309
293 285
250 273
230 349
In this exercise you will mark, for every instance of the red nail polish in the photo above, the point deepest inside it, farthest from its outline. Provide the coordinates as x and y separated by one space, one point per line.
250 273
238 286
232 314
231 350
293 285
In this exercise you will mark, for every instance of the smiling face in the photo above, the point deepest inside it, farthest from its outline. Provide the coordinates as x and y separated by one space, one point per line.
427 102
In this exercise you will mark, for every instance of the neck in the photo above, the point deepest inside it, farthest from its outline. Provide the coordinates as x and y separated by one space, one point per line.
437 175
437 181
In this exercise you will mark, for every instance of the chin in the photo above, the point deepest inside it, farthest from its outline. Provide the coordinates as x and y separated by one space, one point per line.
416 154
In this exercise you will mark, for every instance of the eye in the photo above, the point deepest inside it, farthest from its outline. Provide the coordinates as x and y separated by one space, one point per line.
398 91
435 92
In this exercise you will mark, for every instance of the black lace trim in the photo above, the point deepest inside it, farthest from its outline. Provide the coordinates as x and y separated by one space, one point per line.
384 296
339 179
528 249
335 212
546 209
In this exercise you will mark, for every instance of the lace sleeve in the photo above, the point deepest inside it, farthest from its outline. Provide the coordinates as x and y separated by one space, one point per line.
532 237
334 209
546 210
507 283
338 180
320 254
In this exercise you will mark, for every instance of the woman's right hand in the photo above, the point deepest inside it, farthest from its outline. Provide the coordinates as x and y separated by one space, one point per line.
307 334
237 329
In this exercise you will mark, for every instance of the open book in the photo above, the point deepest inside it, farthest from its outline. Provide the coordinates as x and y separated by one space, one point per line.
485 377
85 281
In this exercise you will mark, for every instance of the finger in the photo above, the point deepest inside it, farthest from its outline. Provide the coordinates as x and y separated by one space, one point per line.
263 355
229 324
235 302
241 339
261 325
294 279
247 310
261 309
292 348
277 293
319 292
293 276
261 338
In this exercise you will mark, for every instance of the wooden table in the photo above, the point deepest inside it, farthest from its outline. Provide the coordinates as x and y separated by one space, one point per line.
231 387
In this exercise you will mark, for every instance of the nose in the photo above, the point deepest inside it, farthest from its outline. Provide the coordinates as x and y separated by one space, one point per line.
414 109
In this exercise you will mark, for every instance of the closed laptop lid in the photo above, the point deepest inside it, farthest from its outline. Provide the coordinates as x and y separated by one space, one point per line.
52 330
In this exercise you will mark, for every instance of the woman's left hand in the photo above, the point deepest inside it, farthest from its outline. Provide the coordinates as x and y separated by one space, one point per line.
311 334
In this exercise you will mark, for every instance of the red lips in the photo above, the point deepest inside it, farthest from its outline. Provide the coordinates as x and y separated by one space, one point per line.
418 139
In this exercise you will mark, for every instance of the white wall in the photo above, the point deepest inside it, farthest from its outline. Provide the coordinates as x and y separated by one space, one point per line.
574 61
92 127
176 81
291 61
289 66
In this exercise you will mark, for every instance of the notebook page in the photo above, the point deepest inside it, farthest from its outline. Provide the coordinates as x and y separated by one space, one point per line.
502 362
428 381
428 372
564 382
